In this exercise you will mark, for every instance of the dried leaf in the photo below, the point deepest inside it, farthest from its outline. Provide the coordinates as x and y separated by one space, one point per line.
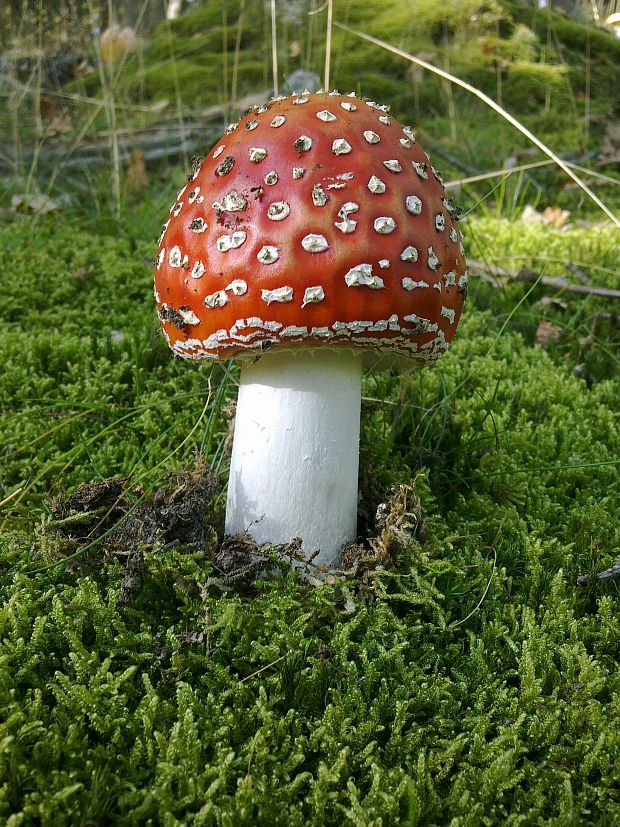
546 333
116 42
555 217
546 300
530 215
32 204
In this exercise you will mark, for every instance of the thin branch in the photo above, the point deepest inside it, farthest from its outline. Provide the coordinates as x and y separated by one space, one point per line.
263 669
11 496
489 102
507 171
554 282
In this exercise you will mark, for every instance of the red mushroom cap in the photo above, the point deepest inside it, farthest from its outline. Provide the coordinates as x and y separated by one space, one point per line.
317 220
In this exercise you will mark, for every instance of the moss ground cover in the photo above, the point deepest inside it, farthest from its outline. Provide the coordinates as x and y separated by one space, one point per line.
472 681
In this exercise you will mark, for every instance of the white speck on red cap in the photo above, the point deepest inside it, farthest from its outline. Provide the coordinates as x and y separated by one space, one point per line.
325 115
231 202
433 261
277 121
198 270
314 243
319 196
280 294
198 225
350 107
393 165
237 287
268 254
410 284
303 143
271 178
347 225
448 314
371 137
174 257
218 299
278 210
188 316
230 242
413 204
384 225
341 147
409 254
257 154
312 295
376 185
163 232
362 276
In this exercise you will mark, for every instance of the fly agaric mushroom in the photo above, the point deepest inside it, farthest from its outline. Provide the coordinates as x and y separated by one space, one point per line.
315 237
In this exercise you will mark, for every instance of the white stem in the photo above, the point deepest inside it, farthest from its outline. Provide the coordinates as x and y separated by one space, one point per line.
293 471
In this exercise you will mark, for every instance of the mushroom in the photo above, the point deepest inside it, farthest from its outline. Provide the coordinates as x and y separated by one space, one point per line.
613 21
314 238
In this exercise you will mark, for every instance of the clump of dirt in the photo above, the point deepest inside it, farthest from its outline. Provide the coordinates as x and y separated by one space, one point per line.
125 522
175 514
133 579
90 510
239 560
398 522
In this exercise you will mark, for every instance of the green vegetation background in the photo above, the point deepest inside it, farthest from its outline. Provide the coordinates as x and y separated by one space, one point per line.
474 682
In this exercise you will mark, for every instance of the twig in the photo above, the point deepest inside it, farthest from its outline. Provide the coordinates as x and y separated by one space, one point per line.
262 669
555 283
11 496
609 574
507 171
